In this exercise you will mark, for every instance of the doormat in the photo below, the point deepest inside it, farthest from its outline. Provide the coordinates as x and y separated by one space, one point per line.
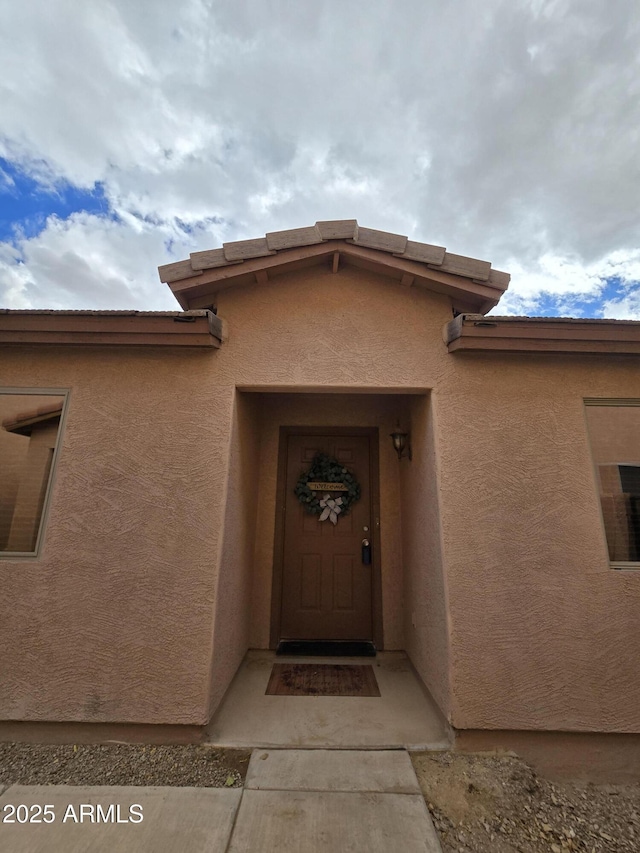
322 679
327 648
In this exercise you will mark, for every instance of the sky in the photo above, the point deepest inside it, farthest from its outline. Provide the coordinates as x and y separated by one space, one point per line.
134 132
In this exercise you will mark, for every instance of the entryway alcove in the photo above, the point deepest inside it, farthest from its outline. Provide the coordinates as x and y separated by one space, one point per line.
401 509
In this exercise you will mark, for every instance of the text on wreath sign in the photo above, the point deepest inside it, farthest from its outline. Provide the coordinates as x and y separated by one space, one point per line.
328 487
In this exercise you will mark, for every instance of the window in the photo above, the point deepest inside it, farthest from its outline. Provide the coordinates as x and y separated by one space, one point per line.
614 433
29 436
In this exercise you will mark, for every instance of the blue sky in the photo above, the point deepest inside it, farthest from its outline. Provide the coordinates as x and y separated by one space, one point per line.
26 203
134 134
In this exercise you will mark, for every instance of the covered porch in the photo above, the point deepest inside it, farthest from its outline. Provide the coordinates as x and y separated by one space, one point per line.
408 601
403 716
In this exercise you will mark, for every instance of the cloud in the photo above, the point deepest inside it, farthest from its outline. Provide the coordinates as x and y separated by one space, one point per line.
87 261
608 287
503 130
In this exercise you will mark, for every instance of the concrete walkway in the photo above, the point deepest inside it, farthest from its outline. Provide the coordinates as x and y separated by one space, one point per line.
303 801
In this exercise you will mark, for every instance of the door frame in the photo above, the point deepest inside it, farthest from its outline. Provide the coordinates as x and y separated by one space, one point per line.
281 494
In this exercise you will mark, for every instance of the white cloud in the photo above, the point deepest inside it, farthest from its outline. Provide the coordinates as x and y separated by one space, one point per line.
88 261
572 283
503 130
625 308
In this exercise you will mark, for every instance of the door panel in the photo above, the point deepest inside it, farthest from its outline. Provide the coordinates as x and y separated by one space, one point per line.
326 589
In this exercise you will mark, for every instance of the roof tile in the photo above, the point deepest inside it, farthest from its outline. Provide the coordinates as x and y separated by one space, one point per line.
338 229
499 279
242 250
294 237
208 260
469 267
177 271
423 252
382 240
433 257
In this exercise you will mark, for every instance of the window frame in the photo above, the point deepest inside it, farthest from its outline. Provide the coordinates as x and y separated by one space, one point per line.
609 402
65 393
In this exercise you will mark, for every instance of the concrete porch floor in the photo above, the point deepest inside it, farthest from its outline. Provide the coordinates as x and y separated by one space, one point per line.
403 716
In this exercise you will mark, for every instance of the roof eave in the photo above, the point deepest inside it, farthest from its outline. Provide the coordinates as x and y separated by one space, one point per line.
200 329
556 335
467 294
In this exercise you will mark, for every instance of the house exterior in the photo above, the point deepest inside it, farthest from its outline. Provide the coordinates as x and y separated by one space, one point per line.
170 538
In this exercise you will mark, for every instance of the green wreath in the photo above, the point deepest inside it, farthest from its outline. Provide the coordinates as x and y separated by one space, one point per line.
326 469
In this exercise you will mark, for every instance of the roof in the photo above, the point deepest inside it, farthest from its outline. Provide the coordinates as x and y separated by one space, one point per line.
203 329
477 333
473 284
119 328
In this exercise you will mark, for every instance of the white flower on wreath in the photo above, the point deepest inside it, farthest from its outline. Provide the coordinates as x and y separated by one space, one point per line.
331 507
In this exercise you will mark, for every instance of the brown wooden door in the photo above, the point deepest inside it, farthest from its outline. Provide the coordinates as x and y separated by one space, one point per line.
326 588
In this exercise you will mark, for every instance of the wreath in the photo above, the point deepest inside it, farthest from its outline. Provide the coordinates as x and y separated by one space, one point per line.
313 492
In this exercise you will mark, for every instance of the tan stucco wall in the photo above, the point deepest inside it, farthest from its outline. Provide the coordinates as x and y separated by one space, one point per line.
426 623
544 634
541 632
113 620
232 593
314 329
136 609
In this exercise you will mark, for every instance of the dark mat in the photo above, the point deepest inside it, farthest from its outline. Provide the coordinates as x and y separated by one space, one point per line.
322 679
327 648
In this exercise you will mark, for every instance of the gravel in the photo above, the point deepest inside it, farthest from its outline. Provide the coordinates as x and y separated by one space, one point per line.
479 803
497 804
122 764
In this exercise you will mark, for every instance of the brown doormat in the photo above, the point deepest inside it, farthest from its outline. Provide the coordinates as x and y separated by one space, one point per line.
322 679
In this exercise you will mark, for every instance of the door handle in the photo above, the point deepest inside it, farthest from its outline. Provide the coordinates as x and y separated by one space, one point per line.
366 552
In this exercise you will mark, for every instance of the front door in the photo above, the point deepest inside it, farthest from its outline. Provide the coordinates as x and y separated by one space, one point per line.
327 586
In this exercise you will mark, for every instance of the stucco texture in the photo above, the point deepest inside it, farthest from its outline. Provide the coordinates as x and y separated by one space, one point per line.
113 621
155 575
539 632
426 624
544 633
233 590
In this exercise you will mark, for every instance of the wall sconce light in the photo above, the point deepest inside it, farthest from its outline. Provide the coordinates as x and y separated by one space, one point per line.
401 443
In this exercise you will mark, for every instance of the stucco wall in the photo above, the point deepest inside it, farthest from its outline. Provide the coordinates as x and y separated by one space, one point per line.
135 610
120 619
233 588
544 634
315 330
113 621
426 623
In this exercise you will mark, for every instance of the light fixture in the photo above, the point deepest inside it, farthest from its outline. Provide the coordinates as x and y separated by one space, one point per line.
401 443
